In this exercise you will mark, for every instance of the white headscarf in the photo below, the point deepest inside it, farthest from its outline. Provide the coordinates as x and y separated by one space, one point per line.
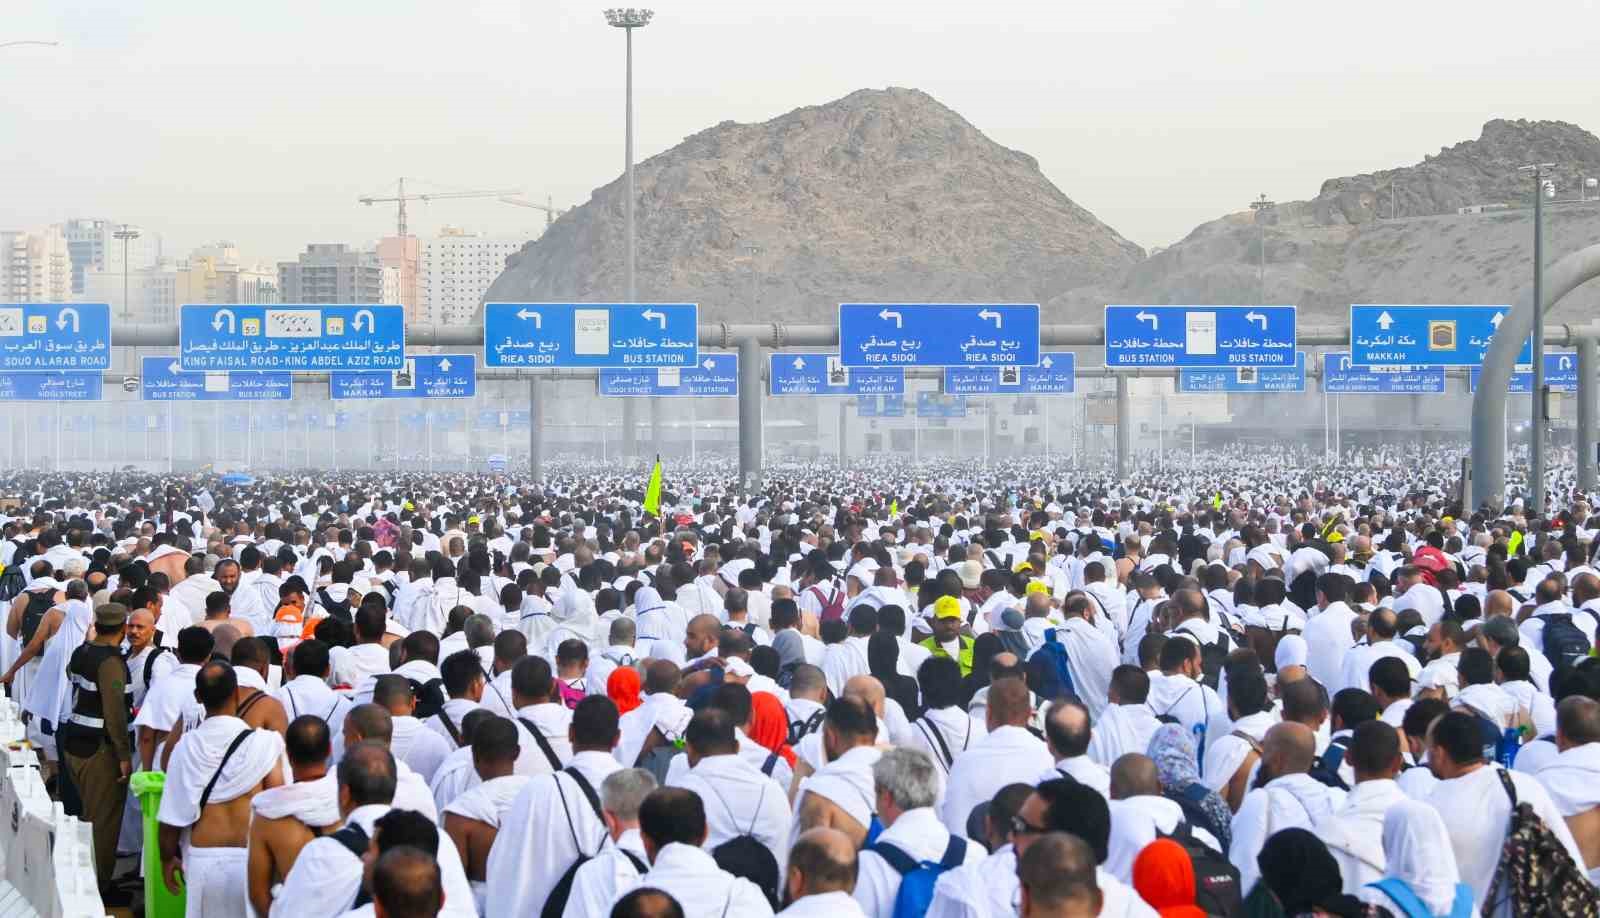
1417 847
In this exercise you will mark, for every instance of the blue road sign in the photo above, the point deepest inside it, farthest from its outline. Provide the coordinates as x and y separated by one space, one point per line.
1245 379
1426 335
424 376
163 379
938 335
55 336
1055 375
826 374
1560 374
1340 376
291 337
591 335
53 386
1200 336
937 405
716 376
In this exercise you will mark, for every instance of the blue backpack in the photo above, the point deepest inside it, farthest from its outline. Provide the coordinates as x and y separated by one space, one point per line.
917 878
1051 672
1413 907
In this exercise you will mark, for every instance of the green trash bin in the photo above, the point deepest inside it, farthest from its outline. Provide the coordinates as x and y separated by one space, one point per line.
158 903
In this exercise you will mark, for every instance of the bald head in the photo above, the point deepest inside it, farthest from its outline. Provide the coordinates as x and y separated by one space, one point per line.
1134 775
1499 602
867 689
823 860
1288 749
368 722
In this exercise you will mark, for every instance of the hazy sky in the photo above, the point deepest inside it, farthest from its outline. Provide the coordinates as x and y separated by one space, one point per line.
263 123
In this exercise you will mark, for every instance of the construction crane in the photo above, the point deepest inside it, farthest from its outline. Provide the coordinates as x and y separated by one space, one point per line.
550 212
401 198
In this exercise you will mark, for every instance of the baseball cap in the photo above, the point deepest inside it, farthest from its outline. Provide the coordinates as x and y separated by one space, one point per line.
111 615
947 607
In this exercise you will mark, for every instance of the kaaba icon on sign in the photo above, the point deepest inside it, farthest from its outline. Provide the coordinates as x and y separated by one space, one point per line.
1442 335
1246 376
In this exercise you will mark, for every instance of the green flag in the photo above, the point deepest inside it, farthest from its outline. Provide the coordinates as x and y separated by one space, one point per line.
652 491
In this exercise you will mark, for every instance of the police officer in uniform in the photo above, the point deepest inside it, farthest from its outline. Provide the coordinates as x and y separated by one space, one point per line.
94 740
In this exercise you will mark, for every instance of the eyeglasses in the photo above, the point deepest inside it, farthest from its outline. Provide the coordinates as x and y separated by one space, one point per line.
1020 826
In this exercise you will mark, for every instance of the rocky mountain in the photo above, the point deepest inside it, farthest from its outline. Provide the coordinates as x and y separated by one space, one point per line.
880 195
1394 236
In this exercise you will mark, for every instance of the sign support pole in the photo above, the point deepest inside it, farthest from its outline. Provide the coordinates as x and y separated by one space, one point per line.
171 434
1588 350
535 429
750 431
1124 426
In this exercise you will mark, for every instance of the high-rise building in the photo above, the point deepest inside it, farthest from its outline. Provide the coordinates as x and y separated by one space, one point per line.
152 292
214 274
93 246
331 273
35 266
455 271
400 253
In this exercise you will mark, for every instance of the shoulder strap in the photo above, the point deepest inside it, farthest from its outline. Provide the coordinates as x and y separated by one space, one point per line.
249 703
1255 744
769 764
931 730
1511 789
205 795
635 860
954 853
450 727
150 664
352 837
588 790
544 744
902 862
1402 895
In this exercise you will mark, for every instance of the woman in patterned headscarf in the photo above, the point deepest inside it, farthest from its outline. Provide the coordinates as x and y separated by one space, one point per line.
1174 753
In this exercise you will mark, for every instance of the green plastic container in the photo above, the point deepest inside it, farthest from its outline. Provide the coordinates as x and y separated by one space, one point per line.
158 903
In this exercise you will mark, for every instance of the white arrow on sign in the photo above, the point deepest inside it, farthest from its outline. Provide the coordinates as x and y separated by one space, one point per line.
1498 318
372 321
1385 320
1344 364
987 314
887 314
173 368
1047 362
538 320
709 363
61 320
445 364
660 317
1253 316
799 363
1565 363
216 321
1152 318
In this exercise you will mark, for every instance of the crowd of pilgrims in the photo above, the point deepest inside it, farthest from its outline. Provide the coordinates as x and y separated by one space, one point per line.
1263 684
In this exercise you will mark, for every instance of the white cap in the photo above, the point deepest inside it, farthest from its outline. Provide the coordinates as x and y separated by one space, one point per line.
1292 651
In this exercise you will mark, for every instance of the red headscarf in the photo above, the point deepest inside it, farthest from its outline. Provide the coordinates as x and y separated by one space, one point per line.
1163 876
623 688
769 724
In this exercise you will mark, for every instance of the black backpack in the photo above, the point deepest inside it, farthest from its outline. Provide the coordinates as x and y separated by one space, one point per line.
1216 882
556 904
430 697
338 610
12 582
39 602
744 856
800 729
1325 770
1194 814
1564 642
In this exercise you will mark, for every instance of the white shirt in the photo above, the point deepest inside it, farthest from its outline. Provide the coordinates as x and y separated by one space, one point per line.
553 720
1121 729
919 834
843 660
1356 669
956 728
987 889
1354 832
326 877
352 665
535 844
836 904
311 695
1327 636
595 885
1476 813
1292 801
1085 771
740 800
1196 707
1135 823
1425 599
1005 756
604 663
690 876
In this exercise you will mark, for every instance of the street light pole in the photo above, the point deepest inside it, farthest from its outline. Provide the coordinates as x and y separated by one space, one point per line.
127 234
27 41
1540 396
627 20
1261 205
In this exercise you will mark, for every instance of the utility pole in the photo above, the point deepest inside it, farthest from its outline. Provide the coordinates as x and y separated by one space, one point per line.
1261 205
627 20
1541 397
127 234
